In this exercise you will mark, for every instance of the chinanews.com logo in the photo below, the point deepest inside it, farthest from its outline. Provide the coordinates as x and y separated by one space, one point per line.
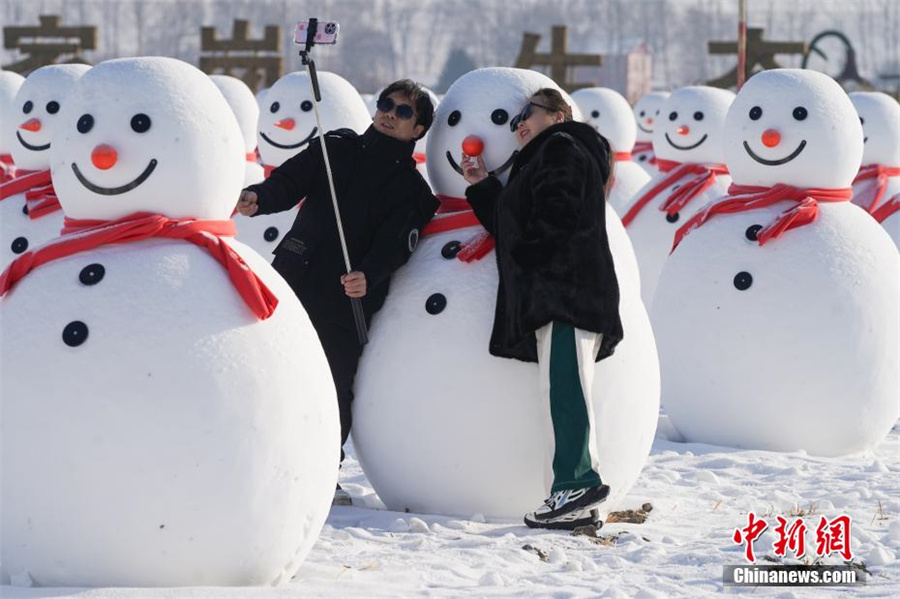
831 537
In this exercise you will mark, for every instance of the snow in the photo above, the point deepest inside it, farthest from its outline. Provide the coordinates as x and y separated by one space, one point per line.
678 552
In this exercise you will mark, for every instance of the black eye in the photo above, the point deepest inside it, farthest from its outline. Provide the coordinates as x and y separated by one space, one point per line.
454 117
140 123
862 121
755 113
642 113
698 116
499 117
595 113
29 105
275 106
306 106
53 107
673 116
800 113
85 123
657 113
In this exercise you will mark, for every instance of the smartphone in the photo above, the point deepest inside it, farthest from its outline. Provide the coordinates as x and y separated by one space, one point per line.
326 32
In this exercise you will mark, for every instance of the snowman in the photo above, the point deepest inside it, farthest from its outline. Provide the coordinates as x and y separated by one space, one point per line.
879 177
646 113
243 104
9 85
168 415
608 112
461 431
887 215
29 210
689 140
776 314
287 124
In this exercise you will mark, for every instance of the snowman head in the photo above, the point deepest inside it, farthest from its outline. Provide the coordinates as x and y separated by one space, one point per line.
691 123
9 86
646 112
879 115
287 122
793 126
481 104
243 105
36 112
608 112
147 135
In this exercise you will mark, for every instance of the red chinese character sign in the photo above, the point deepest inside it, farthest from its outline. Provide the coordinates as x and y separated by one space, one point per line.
832 536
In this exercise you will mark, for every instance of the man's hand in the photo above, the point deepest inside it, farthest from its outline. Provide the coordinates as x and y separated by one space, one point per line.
474 171
247 203
354 284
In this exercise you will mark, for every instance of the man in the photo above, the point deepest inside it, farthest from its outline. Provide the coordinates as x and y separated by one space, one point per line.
384 203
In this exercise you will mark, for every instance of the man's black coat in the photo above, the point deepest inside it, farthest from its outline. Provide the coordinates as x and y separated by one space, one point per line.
384 202
553 253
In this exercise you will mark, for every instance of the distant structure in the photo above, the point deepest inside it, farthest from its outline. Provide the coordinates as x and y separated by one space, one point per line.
629 72
458 64
257 63
832 53
558 59
49 43
760 53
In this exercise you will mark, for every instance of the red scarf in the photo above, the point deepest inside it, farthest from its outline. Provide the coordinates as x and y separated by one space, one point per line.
623 156
251 156
881 174
39 193
645 147
891 206
702 177
742 198
419 157
455 213
85 235
7 168
268 168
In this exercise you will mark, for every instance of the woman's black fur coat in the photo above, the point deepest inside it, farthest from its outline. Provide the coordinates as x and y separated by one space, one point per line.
553 254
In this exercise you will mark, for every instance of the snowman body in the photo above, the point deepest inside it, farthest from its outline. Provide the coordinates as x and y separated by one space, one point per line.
693 136
9 86
29 127
461 431
879 115
172 444
608 112
246 110
792 345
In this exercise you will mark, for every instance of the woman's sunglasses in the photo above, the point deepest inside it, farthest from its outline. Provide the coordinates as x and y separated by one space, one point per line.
525 115
404 111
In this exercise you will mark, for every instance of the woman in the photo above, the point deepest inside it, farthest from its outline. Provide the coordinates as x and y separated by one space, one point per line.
558 297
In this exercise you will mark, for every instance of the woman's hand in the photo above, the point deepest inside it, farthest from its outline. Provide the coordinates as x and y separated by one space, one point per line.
473 169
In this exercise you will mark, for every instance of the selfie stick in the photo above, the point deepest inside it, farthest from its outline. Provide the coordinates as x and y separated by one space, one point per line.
355 302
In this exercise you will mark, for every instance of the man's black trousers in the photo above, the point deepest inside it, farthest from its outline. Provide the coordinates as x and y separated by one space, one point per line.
343 350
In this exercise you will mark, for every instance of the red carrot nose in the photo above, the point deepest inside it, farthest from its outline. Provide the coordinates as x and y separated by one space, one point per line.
771 138
31 125
648 121
104 157
286 124
472 146
683 130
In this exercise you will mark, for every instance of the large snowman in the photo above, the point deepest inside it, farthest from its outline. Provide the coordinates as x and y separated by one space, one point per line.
246 110
646 113
608 112
440 425
161 424
9 86
776 315
287 123
879 177
29 210
689 139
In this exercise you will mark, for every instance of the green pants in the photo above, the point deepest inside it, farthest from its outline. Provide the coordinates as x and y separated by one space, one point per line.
566 357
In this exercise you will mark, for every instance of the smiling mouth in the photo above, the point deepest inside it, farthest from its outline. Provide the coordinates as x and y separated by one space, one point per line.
644 130
784 160
493 173
112 191
302 142
28 146
677 147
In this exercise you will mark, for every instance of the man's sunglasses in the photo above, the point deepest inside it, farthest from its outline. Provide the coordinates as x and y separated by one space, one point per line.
525 115
404 111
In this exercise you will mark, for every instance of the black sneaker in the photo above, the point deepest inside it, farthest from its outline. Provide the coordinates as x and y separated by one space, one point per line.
341 497
570 521
563 502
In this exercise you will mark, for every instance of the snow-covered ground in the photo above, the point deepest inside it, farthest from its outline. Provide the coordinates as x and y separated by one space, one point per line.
699 493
